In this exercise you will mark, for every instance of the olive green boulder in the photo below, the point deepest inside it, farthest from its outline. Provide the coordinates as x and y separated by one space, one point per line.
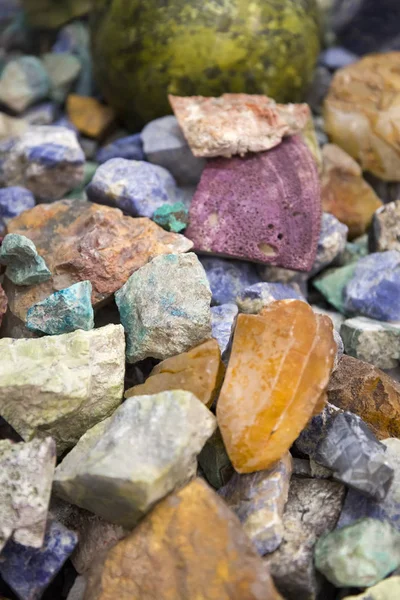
144 50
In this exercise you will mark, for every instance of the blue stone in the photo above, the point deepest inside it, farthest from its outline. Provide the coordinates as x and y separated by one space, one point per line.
24 265
64 311
374 288
254 298
14 200
332 242
136 187
228 278
223 319
316 430
42 114
337 57
129 147
29 571
64 121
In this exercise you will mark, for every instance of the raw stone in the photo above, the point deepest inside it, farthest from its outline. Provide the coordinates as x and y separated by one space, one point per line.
26 475
165 307
172 217
89 116
214 461
332 283
191 544
312 509
127 463
228 278
24 266
23 81
316 430
359 555
75 39
42 114
256 297
250 208
223 320
3 303
14 200
372 341
64 311
259 499
332 241
385 230
63 70
389 589
129 147
61 385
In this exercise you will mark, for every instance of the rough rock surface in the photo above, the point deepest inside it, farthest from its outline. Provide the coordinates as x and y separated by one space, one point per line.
385 230
256 297
61 385
372 341
14 200
332 283
316 430
332 242
24 266
214 461
172 217
63 70
129 147
165 307
89 116
228 278
223 320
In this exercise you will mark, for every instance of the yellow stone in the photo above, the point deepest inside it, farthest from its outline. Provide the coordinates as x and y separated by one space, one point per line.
190 547
276 379
89 116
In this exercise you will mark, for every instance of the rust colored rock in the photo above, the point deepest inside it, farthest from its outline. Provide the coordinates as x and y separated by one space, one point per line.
199 371
190 546
362 113
89 116
368 392
345 194
80 240
276 379
236 123
3 303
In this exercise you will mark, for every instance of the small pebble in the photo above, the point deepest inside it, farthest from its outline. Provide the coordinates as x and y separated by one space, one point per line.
129 148
89 116
24 266
372 341
256 297
332 242
228 278
385 231
172 217
23 82
223 319
214 461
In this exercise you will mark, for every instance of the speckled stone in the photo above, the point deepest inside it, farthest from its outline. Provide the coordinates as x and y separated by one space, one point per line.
136 187
161 435
354 250
389 589
223 319
316 430
24 266
13 201
385 230
46 160
352 451
28 571
340 348
359 555
332 241
77 592
214 461
372 341
254 298
63 70
374 287
172 217
165 307
64 311
228 278
249 208
332 283
258 499
26 475
23 81
129 147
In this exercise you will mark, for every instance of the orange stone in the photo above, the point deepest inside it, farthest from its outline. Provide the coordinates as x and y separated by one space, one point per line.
276 379
344 192
191 546
89 116
199 371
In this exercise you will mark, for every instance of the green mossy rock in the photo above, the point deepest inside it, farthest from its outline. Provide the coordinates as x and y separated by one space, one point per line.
51 14
144 50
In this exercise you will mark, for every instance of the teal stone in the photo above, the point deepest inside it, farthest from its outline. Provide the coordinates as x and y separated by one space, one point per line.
24 265
64 311
172 217
331 284
359 555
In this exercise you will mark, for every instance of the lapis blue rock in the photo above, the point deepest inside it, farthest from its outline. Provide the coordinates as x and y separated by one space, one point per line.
24 266
316 430
254 298
29 571
64 311
374 288
332 242
42 114
74 38
136 187
228 278
223 319
14 200
129 147
337 57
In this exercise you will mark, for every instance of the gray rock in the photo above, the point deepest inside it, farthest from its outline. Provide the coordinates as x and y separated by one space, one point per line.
223 319
24 265
125 464
254 298
316 430
77 592
372 341
165 307
336 317
63 69
214 461
332 242
385 230
23 82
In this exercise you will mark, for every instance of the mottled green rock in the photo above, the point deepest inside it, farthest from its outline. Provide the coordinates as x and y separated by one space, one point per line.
145 50
53 13
63 69
373 341
359 555
385 590
172 217
332 283
24 265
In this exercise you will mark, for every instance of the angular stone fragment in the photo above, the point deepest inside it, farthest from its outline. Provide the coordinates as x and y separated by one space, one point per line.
26 475
89 116
129 147
41 114
161 436
372 341
214 461
198 548
368 392
385 230
165 307
332 283
61 385
360 111
312 509
336 318
14 200
24 266
316 430
64 311
276 380
236 123
227 278
251 208
352 451
3 303
200 371
385 590
23 82
172 217
63 69
223 319
332 242
84 241
258 499
359 555
256 297
345 193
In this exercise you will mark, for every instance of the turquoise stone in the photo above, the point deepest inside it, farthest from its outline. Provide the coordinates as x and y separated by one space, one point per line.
24 265
172 217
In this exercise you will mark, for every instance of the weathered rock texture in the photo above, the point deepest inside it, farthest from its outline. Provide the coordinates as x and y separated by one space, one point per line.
385 230
24 266
373 341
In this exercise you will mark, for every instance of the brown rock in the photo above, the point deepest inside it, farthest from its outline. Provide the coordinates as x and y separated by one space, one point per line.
80 240
89 116
199 371
236 123
345 194
363 389
362 112
191 546
3 303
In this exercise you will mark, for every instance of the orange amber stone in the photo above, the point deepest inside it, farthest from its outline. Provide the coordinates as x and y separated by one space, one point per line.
276 379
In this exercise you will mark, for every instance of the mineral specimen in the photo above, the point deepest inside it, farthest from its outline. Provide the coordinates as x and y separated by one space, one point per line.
276 379
256 297
129 147
372 341
251 208
24 266
228 278
165 307
160 434
14 200
332 242
61 385
214 461
75 38
223 319
89 116
23 81
385 230
331 284
63 69
316 430
172 217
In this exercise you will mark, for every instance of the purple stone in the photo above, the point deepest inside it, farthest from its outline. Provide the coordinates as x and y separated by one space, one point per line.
264 207
228 278
129 147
